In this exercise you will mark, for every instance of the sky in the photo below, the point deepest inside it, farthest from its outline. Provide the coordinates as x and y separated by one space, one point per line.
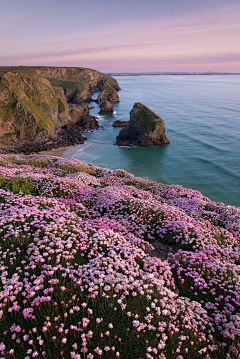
122 35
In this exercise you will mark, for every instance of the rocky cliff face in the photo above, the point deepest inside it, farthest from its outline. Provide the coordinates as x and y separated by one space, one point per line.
35 116
108 94
78 82
145 128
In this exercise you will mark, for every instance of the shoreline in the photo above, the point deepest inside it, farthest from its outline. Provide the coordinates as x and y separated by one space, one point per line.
55 152
65 152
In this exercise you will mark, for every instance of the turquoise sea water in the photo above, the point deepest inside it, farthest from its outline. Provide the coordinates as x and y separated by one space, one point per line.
202 122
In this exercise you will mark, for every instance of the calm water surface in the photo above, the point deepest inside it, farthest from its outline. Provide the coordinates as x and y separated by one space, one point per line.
202 122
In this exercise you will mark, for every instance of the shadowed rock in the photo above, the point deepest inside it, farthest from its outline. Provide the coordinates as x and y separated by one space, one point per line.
106 108
145 128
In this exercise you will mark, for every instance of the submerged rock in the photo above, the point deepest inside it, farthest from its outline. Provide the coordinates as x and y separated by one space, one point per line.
118 123
106 108
145 128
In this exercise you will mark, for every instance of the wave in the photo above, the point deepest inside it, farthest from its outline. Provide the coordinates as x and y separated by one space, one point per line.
220 166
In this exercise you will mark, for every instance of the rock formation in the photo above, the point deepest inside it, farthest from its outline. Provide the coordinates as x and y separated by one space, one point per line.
108 94
145 128
34 116
106 108
118 123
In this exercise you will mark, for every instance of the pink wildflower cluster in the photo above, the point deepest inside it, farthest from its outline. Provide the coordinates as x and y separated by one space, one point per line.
78 273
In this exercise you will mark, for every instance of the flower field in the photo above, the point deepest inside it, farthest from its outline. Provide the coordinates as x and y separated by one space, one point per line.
80 277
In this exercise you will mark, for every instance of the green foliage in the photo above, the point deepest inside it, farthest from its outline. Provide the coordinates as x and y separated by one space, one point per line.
18 185
71 168
67 84
138 184
147 118
34 162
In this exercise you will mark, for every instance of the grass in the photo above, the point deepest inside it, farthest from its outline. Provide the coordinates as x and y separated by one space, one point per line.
148 120
4 69
109 89
42 120
68 85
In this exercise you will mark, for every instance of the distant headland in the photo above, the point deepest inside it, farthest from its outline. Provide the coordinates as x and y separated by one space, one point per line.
169 73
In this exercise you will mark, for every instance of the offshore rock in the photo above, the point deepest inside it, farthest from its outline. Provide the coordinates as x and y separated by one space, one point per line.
108 94
145 128
106 108
118 123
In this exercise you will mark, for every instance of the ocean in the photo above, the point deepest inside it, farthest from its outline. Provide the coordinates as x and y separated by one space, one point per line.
202 123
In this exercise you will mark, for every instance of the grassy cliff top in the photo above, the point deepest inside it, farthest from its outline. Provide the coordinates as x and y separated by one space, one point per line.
91 78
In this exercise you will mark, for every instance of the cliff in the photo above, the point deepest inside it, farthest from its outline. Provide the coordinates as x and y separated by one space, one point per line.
78 82
36 116
145 128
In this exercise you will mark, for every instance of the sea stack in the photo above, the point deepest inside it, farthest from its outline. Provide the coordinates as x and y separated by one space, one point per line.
106 108
145 128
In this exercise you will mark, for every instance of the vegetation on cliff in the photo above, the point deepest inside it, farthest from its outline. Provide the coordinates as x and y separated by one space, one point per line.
31 110
80 276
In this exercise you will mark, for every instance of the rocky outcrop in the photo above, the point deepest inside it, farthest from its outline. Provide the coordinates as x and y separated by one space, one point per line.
35 116
108 94
145 128
78 83
106 108
118 123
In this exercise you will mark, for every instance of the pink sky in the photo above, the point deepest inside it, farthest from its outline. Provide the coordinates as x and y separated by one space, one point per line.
139 36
